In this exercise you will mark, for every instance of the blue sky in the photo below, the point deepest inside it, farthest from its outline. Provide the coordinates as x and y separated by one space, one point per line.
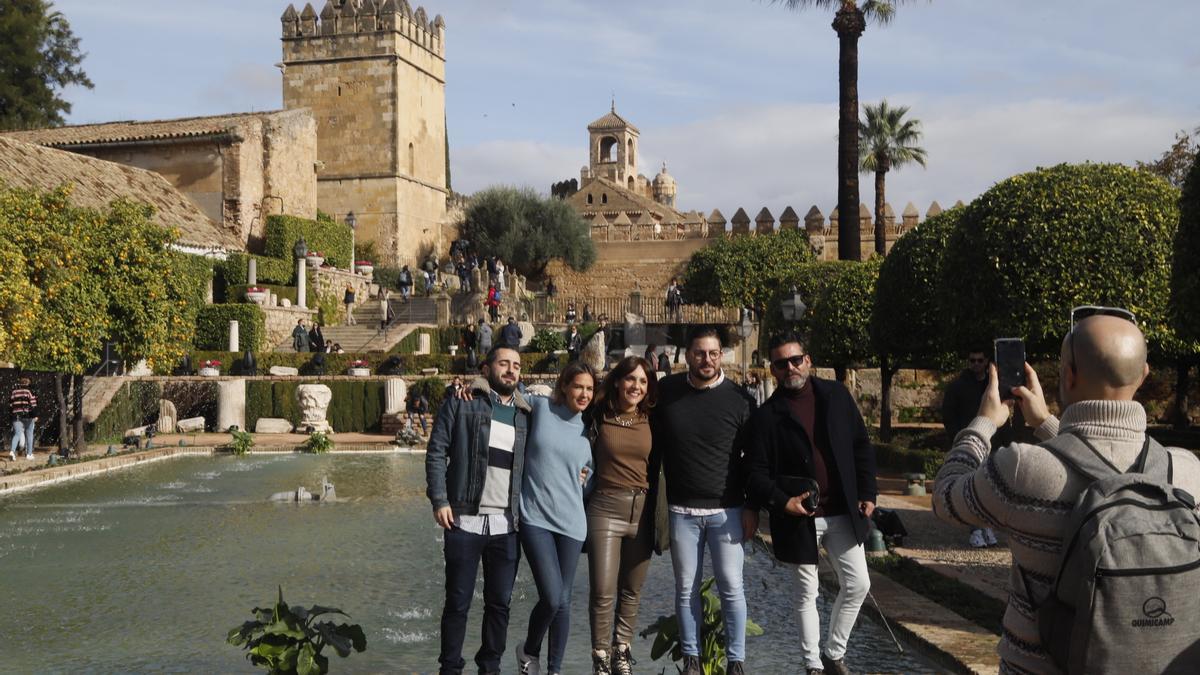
739 97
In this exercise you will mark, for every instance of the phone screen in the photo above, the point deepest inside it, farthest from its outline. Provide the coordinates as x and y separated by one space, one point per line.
1010 364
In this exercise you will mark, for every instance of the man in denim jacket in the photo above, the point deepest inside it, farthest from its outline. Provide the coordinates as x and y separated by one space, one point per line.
473 475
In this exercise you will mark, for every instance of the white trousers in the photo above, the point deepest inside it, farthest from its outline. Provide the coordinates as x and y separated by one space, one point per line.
849 561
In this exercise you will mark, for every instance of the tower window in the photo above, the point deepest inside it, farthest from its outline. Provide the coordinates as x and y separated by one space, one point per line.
607 148
589 198
604 198
412 160
629 152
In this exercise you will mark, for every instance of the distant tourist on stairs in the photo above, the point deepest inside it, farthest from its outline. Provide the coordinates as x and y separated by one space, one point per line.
405 281
316 338
510 335
300 337
348 301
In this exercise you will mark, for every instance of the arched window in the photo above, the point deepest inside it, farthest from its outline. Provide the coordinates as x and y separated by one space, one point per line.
608 152
604 198
630 182
412 160
629 152
589 198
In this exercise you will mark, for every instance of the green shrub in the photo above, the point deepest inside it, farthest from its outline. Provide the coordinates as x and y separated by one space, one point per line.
241 441
324 235
198 270
290 640
841 316
278 271
746 271
235 294
1037 244
212 327
329 308
1185 273
318 443
547 340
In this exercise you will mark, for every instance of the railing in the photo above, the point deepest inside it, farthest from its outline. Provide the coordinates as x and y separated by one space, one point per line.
652 309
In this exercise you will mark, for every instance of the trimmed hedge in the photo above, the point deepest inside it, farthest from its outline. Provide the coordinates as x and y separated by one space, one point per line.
324 234
212 326
198 270
279 271
134 405
337 364
235 294
355 406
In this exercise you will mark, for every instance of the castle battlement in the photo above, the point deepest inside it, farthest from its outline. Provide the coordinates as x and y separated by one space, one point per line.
311 32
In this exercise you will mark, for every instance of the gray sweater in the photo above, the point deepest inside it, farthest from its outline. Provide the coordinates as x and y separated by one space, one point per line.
1027 492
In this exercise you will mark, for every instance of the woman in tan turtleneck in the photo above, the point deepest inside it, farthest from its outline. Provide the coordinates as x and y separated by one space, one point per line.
620 524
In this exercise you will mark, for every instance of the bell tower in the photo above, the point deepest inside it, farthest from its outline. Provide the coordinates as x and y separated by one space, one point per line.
613 149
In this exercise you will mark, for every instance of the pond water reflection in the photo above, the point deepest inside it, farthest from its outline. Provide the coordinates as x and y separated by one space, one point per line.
146 569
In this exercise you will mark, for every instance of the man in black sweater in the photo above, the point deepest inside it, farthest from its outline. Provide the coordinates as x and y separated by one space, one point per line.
698 425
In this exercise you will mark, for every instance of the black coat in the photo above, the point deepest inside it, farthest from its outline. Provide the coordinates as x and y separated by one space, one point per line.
777 445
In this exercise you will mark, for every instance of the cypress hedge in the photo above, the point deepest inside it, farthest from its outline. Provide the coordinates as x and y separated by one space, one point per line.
323 235
212 327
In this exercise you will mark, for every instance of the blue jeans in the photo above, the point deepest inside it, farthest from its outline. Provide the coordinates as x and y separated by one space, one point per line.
553 558
22 426
500 556
722 533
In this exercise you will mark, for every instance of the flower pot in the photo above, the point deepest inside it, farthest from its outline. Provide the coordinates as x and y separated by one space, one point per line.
209 372
257 297
359 372
315 260
367 270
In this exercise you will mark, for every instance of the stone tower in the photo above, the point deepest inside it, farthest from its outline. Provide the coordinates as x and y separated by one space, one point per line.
613 144
664 188
373 73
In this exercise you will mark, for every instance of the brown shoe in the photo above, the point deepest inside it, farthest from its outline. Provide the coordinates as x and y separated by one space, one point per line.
691 665
735 668
835 666
622 661
601 663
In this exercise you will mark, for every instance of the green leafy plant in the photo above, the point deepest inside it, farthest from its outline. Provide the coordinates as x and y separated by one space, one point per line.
329 308
712 633
323 234
242 442
285 640
318 443
527 230
546 340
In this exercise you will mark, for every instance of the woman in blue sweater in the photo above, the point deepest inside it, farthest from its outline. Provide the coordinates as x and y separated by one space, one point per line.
553 526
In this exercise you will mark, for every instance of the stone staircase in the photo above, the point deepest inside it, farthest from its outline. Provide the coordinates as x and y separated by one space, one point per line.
366 335
619 265
98 392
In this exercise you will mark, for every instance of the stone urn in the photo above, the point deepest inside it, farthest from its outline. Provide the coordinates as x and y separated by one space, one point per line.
209 371
256 295
314 260
364 267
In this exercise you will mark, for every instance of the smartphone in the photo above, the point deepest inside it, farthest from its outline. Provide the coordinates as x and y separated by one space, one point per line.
1010 365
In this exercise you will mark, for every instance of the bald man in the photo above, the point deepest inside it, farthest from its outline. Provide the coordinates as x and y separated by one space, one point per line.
1027 491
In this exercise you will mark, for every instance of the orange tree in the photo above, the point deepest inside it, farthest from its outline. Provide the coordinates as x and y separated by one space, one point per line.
85 276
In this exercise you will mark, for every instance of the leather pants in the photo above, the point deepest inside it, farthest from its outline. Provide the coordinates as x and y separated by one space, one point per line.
619 549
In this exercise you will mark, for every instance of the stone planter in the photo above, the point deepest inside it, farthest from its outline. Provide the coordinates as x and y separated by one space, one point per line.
209 372
359 372
366 270
314 260
257 297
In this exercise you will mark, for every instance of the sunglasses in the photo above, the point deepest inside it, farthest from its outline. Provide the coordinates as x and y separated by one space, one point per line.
1080 313
793 361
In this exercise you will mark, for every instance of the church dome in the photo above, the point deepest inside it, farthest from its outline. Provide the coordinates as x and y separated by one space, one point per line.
664 179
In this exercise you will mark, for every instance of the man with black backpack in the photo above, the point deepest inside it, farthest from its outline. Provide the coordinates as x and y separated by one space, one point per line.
1102 525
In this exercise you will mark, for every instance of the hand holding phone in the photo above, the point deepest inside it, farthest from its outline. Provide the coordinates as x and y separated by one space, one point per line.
1010 365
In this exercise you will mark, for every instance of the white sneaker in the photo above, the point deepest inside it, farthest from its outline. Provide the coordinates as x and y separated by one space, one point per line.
989 537
976 540
526 664
12 455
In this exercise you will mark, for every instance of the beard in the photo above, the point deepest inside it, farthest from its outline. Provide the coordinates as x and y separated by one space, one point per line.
500 386
794 382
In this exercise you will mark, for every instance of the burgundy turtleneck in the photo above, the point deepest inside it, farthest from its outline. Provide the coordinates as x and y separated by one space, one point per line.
803 405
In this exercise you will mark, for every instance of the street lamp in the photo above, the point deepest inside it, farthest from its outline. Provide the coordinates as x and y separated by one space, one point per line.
301 249
793 307
352 222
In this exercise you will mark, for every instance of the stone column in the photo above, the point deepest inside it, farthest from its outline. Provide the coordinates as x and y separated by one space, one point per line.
233 335
301 286
424 343
252 272
394 392
231 404
208 291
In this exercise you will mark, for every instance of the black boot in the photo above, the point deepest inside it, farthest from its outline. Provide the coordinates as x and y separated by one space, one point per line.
601 663
622 662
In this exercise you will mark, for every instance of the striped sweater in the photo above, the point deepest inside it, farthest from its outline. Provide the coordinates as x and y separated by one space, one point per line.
22 402
1028 493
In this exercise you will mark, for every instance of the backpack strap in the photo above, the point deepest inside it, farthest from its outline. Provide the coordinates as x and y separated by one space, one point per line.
1083 457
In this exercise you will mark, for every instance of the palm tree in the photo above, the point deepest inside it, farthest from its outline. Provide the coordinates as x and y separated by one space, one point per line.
888 142
850 21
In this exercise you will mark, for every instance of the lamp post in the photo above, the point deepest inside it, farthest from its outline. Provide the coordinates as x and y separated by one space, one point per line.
744 329
352 221
301 251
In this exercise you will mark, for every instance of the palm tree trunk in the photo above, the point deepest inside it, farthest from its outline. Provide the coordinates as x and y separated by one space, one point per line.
849 23
880 200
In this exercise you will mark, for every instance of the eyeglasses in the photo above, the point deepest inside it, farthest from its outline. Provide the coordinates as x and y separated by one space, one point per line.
978 360
792 361
1084 311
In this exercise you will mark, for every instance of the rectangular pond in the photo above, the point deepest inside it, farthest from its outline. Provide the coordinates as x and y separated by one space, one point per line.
146 569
